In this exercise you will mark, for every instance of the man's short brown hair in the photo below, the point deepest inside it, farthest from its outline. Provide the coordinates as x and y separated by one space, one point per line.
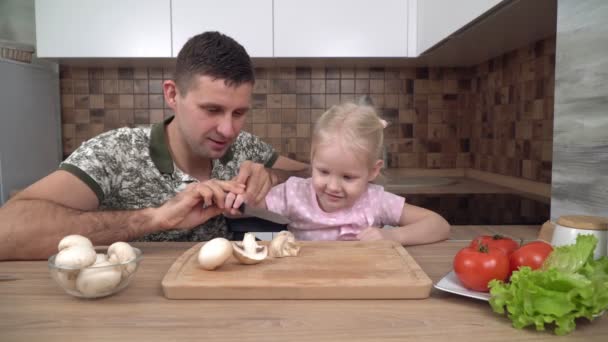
213 54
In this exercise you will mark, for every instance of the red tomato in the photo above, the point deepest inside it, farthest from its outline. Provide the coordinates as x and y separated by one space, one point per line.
504 243
532 254
475 267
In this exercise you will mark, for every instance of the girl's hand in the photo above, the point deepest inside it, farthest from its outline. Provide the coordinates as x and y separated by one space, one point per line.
233 202
374 234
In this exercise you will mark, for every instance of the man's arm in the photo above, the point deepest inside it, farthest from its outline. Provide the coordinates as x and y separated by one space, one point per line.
283 168
34 221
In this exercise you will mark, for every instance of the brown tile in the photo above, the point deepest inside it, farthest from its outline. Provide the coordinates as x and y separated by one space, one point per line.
155 73
352 98
156 115
303 101
140 101
96 101
303 146
259 130
317 101
110 74
317 86
303 86
65 86
303 73
155 86
81 86
67 101
376 73
315 114
96 86
289 131
68 130
125 101
140 73
273 101
332 100
303 115
362 73
258 115
65 71
287 73
261 86
140 86
274 115
125 86
126 116
332 73
81 116
156 101
259 100
347 73
111 101
110 86
332 86
317 73
141 116
347 86
394 86
81 101
362 86
168 73
288 101
125 73
289 116
274 130
303 131
80 73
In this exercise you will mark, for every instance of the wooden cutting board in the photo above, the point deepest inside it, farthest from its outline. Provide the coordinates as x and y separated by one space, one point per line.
322 270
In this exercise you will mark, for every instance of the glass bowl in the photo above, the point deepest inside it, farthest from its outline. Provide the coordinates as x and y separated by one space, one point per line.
95 281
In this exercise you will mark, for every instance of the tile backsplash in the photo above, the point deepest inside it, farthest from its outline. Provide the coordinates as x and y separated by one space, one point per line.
496 116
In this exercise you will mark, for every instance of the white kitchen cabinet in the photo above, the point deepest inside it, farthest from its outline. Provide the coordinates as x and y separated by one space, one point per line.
438 19
340 28
103 28
247 21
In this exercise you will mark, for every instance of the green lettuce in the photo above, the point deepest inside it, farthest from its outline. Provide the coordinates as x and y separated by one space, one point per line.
569 285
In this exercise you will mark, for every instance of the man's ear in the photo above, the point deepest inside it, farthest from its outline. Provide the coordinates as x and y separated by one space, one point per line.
171 92
376 170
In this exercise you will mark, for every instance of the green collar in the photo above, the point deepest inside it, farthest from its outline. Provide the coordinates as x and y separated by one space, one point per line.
159 147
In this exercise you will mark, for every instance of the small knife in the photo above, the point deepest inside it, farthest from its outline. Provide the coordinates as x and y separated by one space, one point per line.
7 277
264 214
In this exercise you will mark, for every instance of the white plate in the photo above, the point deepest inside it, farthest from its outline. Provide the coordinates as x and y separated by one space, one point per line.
450 283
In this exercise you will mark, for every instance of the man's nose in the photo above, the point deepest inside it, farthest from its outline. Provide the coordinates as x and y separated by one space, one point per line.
226 127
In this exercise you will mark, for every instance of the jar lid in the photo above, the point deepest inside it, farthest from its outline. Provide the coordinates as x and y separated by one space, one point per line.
583 222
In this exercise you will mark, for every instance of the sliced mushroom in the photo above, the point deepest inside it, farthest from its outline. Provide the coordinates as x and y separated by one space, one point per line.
74 240
120 253
283 245
249 252
214 253
98 280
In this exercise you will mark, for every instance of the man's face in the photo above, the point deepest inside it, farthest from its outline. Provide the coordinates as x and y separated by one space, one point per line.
211 114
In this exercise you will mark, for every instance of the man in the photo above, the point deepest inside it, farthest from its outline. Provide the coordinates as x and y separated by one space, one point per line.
164 183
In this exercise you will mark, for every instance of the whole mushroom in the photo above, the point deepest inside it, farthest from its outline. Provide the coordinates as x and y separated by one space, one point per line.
78 256
249 252
214 253
284 245
74 240
98 280
120 253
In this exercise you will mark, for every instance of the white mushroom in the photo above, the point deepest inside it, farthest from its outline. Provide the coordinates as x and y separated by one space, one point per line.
214 253
67 279
74 240
100 257
98 280
283 245
78 256
249 252
120 253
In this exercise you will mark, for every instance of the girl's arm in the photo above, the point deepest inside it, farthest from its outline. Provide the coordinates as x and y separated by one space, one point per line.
419 226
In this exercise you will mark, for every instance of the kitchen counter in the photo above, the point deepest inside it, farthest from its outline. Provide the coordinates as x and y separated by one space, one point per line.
34 308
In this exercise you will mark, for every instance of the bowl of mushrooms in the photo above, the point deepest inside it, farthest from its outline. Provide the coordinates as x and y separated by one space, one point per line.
87 271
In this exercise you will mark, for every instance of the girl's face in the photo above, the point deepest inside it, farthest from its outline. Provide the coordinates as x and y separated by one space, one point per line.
339 177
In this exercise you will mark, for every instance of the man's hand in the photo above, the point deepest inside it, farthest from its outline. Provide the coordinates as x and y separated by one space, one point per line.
257 180
373 234
195 205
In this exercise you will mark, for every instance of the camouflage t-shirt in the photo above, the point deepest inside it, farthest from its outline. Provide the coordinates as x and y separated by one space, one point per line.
131 168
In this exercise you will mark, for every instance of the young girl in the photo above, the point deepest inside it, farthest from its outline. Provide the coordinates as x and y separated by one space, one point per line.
338 202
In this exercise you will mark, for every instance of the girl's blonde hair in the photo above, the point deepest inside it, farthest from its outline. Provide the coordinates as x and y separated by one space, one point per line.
355 126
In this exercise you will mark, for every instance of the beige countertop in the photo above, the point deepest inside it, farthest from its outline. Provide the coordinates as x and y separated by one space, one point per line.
33 308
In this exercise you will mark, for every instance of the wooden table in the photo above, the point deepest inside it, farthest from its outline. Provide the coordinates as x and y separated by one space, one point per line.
34 308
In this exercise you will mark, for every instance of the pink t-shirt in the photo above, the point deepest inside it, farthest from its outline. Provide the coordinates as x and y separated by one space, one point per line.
296 199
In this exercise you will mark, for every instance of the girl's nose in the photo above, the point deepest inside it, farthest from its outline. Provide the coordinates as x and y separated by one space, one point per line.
333 184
